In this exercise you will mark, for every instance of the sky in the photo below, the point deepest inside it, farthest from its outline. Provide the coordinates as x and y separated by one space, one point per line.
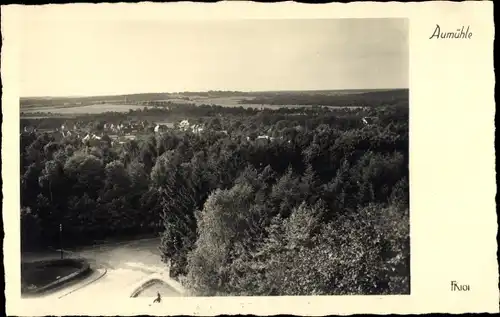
99 57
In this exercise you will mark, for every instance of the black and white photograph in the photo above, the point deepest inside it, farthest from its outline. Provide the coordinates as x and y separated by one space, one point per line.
244 158
214 158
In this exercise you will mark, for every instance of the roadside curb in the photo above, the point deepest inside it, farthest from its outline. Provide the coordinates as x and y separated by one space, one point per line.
154 278
86 284
85 268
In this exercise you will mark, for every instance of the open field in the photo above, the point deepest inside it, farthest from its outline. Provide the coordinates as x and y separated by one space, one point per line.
234 101
101 108
269 100
91 109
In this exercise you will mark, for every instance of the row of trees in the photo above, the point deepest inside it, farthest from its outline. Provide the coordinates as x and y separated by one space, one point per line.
322 209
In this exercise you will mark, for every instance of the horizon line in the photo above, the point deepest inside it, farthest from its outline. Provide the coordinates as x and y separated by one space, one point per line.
208 91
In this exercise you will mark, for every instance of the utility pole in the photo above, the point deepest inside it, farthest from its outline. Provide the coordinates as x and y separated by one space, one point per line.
50 189
60 240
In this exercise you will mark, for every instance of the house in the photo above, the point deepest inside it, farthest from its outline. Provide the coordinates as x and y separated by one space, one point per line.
89 137
184 125
29 129
86 138
263 138
129 128
369 120
160 128
197 128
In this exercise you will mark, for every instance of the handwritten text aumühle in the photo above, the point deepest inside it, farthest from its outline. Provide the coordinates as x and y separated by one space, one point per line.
458 34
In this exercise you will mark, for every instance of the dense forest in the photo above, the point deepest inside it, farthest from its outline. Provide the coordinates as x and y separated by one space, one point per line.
333 98
322 208
376 98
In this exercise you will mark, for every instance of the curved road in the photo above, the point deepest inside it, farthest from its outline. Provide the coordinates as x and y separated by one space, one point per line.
117 270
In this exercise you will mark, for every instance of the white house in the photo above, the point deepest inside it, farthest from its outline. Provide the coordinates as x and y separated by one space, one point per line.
89 137
197 128
368 120
86 138
184 124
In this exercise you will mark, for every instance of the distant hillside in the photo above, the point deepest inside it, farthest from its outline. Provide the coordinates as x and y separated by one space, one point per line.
318 97
349 98
55 101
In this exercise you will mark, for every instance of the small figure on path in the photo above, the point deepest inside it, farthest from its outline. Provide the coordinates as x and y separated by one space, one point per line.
158 298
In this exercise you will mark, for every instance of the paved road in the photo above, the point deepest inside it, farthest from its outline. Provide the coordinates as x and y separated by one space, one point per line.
118 269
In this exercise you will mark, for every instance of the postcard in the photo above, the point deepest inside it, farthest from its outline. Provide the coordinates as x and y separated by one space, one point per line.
249 158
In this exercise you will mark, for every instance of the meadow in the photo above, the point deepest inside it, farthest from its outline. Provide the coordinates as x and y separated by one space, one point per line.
45 106
85 109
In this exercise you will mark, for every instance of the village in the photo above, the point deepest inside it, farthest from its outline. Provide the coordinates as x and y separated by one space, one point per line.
120 133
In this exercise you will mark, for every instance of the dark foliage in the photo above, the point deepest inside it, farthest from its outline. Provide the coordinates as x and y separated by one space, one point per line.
292 201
